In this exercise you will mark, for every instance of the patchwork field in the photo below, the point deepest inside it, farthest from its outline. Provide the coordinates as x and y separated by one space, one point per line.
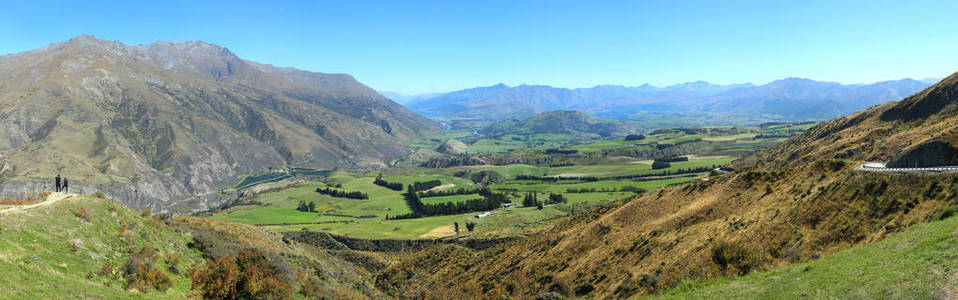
581 183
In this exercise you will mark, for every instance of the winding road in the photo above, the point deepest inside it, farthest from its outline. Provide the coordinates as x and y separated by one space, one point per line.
880 167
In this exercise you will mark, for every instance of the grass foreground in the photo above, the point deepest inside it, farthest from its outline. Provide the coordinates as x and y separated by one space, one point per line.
921 263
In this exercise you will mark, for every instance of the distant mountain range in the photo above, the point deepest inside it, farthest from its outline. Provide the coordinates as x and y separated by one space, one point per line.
407 99
787 99
170 124
560 122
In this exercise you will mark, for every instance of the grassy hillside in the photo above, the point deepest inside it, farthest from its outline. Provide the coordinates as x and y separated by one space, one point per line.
920 263
84 247
59 249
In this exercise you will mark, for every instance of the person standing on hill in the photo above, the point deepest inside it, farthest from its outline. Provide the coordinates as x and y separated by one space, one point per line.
57 182
66 185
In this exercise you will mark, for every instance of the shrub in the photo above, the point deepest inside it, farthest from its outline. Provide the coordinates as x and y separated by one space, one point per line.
487 177
633 189
730 256
556 199
141 272
82 214
15 201
660 165
173 258
948 212
634 137
470 226
306 207
244 275
107 270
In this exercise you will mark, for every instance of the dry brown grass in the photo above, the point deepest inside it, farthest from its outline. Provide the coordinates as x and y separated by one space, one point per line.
24 199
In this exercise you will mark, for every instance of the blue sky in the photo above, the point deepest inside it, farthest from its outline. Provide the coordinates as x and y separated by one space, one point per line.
430 46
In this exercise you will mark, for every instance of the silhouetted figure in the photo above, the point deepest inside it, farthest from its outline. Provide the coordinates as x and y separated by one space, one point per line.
58 182
66 185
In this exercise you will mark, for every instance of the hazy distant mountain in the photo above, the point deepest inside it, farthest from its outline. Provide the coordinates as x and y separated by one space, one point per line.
498 102
560 122
791 98
170 124
407 99
799 98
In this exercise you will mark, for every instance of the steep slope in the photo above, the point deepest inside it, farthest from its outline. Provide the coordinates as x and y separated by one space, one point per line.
791 98
166 126
794 201
559 122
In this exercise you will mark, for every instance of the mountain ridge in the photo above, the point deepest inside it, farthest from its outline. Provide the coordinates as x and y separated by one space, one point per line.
814 99
166 126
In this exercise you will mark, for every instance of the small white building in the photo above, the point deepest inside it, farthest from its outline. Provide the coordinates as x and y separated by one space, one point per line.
483 215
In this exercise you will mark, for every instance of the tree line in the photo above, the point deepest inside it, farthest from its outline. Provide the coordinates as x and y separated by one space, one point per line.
531 199
627 188
424 185
621 177
342 194
489 201
448 192
396 186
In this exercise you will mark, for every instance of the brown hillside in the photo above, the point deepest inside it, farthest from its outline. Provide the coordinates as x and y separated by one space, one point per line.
167 126
792 202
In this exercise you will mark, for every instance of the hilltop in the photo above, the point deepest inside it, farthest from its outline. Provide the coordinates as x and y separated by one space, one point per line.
792 202
168 125
559 122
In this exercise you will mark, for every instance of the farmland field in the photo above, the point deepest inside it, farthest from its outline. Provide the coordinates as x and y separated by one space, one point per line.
605 176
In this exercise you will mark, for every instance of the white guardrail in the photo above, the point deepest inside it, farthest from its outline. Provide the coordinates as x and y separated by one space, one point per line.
880 167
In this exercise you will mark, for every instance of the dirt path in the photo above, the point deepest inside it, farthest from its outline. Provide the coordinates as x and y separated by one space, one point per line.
52 198
438 232
441 187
